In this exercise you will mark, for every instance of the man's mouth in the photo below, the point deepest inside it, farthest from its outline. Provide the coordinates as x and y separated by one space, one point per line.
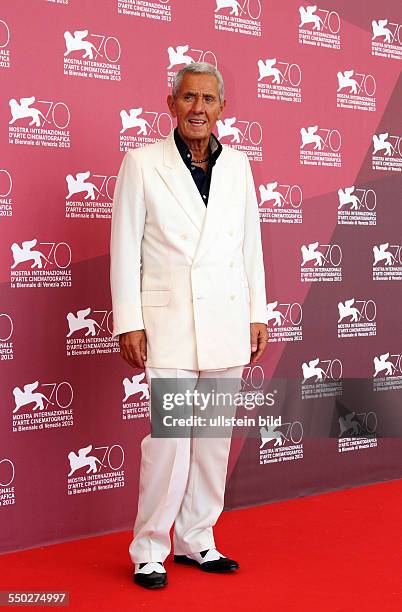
197 121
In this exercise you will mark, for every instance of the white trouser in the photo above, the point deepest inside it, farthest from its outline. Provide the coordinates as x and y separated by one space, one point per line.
182 480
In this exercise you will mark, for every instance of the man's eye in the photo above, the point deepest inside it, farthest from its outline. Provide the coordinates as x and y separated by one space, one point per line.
188 97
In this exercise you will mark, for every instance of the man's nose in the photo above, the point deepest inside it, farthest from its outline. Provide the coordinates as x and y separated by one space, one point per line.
198 105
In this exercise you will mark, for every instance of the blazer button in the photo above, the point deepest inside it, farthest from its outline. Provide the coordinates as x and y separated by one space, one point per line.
183 236
231 264
231 233
232 297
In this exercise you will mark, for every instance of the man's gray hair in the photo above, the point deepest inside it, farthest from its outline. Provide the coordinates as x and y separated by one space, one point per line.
198 68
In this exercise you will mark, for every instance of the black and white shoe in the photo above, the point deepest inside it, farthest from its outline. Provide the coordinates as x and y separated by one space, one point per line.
210 560
151 575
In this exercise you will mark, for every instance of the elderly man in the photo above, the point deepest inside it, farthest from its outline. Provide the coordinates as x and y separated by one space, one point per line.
185 208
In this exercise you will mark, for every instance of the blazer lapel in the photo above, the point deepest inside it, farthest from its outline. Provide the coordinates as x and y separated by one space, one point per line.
180 182
214 220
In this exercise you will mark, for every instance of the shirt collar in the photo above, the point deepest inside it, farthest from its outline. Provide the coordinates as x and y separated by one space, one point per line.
214 145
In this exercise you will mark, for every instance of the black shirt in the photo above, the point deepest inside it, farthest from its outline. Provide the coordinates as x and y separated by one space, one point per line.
201 179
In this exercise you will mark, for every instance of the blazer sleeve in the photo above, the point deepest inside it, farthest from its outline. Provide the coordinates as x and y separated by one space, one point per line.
253 254
128 220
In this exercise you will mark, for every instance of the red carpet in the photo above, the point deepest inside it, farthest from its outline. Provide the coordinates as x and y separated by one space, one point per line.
337 551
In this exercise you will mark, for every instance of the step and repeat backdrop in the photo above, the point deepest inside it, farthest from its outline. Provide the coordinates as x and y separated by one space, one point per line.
314 98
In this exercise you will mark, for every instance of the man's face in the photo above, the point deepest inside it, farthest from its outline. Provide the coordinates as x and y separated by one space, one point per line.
197 106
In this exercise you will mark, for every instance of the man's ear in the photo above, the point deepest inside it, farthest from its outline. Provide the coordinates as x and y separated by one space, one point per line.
171 105
222 106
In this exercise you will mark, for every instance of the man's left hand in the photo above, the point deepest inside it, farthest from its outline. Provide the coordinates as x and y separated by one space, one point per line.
258 340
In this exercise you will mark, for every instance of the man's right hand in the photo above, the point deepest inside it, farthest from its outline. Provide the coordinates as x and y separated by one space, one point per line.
133 347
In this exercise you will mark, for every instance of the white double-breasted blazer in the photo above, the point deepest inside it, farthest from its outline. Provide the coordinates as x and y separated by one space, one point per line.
192 276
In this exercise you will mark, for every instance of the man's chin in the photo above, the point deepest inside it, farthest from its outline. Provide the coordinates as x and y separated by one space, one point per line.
194 133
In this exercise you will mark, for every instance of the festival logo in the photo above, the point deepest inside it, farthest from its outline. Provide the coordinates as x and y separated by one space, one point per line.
357 318
321 378
95 468
320 147
279 80
240 17
319 27
159 10
356 90
40 265
387 152
252 380
4 45
284 321
244 135
136 397
325 263
139 127
6 337
39 123
252 394
90 333
183 55
357 431
280 203
42 406
386 40
7 477
96 195
281 443
6 196
387 372
387 262
357 206
92 56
